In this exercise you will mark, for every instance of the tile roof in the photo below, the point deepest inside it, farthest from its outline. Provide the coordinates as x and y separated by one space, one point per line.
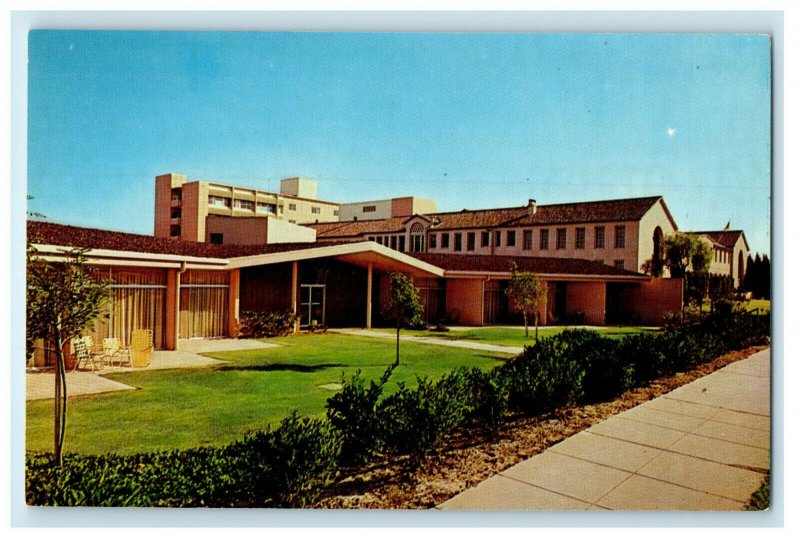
502 264
50 233
726 238
599 211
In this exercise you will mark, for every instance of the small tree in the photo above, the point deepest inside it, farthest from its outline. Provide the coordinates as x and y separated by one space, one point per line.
684 251
525 291
63 299
404 307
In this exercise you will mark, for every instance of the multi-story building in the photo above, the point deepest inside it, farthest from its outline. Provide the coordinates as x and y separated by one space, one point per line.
730 252
185 209
622 233
384 209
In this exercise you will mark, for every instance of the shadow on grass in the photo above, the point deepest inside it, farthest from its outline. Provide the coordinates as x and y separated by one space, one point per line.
302 368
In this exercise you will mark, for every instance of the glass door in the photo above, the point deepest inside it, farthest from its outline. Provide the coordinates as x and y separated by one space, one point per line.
312 305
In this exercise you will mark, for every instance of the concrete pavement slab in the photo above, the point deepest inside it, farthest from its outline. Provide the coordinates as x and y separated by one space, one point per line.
566 475
643 493
680 407
748 420
503 493
665 419
735 434
723 452
606 451
637 432
702 475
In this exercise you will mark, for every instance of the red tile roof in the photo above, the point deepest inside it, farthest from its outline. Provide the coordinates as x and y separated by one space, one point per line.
502 264
629 209
726 238
50 233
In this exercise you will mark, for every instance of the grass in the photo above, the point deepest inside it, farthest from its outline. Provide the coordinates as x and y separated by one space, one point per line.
210 406
763 304
759 501
511 336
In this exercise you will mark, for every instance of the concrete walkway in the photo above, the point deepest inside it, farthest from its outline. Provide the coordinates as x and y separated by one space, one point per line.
39 384
464 344
703 446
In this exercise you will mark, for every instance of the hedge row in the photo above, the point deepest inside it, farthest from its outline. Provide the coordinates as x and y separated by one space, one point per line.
290 465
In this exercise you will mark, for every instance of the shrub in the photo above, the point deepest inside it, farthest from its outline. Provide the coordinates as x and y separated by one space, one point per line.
609 371
646 356
415 421
490 391
266 324
353 414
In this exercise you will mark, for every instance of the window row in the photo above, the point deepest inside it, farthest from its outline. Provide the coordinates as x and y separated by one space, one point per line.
442 240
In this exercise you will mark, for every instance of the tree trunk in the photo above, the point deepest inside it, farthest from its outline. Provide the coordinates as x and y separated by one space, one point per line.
525 319
397 347
536 325
60 400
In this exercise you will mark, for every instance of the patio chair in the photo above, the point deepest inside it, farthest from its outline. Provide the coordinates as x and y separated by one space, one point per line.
83 353
114 352
141 348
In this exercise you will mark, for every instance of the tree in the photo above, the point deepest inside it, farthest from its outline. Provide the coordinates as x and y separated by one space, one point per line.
684 251
404 307
525 291
63 299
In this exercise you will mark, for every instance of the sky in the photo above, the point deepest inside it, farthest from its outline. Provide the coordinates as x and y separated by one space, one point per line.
471 120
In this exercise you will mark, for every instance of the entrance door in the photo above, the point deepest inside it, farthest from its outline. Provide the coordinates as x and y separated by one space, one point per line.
312 304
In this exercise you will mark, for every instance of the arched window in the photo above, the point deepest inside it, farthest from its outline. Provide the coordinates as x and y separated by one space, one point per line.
417 237
740 270
658 252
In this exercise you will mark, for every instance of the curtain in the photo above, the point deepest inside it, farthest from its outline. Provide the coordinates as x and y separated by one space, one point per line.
204 304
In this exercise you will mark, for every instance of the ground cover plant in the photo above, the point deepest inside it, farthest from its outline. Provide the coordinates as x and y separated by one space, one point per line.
554 374
185 408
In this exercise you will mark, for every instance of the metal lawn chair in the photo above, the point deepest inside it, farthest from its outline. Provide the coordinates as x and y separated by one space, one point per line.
141 348
83 353
113 352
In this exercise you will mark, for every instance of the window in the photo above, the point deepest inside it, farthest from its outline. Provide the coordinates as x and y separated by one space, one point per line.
175 231
176 194
218 201
216 239
445 240
315 211
175 213
470 240
599 237
497 239
292 207
335 212
580 238
417 243
368 209
432 241
619 264
527 239
244 205
457 240
544 239
511 238
393 244
371 238
401 243
485 239
561 238
292 221
263 207
619 236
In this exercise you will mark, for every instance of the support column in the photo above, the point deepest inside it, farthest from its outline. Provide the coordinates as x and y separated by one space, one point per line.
172 310
369 295
294 295
233 303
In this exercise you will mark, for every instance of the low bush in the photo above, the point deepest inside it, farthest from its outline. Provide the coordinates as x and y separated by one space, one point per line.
353 413
490 393
287 466
266 324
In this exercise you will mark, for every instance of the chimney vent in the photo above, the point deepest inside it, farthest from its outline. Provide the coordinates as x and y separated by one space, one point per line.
531 207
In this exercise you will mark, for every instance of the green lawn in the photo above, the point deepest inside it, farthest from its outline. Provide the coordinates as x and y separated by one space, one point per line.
511 336
209 406
764 304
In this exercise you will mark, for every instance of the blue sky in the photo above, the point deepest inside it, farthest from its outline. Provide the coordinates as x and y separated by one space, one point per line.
471 120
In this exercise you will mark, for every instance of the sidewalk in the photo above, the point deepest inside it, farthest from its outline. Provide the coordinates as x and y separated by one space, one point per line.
464 344
703 446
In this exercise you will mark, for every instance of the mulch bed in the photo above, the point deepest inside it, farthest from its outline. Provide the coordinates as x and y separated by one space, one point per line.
471 456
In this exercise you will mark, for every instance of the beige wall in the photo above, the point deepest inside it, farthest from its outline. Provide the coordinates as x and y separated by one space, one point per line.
355 210
279 231
589 298
655 217
465 300
739 247
238 231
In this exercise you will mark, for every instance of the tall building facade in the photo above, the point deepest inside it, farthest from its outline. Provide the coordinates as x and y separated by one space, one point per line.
182 208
